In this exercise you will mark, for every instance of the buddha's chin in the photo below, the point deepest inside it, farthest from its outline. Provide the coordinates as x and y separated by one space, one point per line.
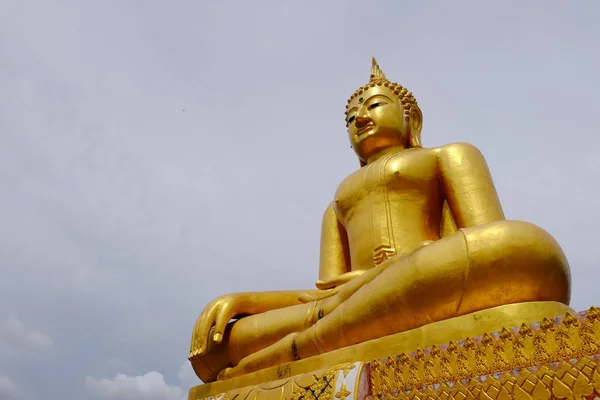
367 149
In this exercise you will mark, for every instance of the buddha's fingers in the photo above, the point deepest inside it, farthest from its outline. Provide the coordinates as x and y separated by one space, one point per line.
330 283
312 296
223 316
205 323
339 280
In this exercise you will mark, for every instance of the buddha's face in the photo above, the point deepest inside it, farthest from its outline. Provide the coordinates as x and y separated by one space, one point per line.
375 121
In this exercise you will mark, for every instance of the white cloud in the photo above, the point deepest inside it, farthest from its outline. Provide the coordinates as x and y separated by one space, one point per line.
151 386
7 389
187 376
25 340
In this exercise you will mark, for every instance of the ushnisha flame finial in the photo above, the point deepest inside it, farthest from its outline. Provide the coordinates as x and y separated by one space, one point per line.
377 74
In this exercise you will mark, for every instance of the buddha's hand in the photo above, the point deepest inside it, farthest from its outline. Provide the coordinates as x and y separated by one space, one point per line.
329 287
217 314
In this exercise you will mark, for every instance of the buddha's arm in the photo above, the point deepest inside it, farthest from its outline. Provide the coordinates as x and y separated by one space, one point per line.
334 265
335 254
218 313
468 186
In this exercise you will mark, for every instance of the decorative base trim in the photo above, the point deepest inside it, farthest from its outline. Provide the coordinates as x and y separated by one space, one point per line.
557 358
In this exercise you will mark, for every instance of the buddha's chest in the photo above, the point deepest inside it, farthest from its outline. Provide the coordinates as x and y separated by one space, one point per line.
405 177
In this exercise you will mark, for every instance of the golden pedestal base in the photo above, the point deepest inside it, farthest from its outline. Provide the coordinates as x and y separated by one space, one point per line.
530 351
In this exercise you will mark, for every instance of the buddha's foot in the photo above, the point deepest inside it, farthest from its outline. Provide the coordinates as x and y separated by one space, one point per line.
278 353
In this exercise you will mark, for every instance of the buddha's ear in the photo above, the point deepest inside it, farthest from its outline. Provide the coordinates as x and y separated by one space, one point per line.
415 124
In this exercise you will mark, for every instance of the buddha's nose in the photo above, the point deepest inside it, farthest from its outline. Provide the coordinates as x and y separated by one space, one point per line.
361 121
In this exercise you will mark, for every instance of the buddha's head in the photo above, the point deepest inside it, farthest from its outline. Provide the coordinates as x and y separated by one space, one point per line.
381 115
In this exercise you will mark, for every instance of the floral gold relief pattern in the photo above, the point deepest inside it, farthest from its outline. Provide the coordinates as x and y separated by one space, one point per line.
320 385
556 358
577 379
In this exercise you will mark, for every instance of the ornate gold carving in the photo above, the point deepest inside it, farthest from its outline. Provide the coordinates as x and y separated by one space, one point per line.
346 368
343 393
556 358
320 389
283 370
382 253
316 386
565 380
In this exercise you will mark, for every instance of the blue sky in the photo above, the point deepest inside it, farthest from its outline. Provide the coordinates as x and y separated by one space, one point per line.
156 155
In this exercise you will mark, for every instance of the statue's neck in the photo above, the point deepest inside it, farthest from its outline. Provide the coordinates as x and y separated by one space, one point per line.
384 152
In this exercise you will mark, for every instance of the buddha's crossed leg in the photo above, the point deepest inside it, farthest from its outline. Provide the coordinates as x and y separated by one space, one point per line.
476 268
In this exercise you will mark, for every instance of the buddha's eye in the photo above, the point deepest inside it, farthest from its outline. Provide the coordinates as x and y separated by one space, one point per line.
372 106
350 120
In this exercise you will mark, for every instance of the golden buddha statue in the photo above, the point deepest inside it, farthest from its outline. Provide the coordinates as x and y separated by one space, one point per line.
415 236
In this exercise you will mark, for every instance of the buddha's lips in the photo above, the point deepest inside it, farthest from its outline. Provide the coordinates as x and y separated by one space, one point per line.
364 129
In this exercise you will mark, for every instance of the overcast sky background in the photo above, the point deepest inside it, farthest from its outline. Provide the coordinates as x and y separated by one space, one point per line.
122 215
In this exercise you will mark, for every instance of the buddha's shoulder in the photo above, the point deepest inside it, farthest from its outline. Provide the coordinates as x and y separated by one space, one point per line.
458 148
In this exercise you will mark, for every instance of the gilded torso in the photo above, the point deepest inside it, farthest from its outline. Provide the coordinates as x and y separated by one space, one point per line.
391 205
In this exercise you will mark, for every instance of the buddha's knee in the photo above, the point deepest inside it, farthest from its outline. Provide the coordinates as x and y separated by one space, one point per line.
208 365
203 369
516 261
